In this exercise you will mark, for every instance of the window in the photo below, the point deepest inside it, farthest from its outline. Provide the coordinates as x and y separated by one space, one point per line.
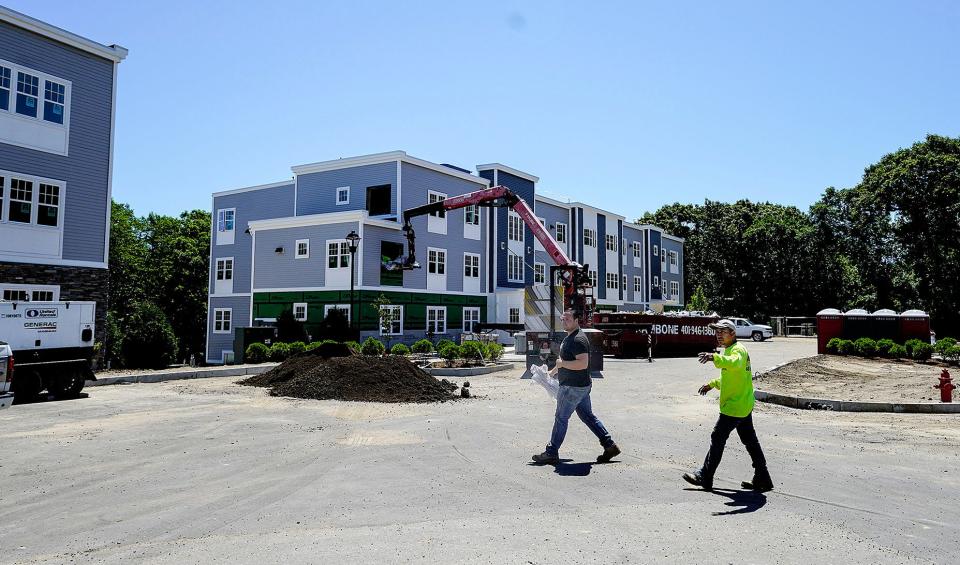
53 99
514 315
48 205
437 261
471 317
589 237
433 197
675 289
656 250
663 260
561 233
28 88
471 215
637 249
221 320
612 280
539 273
637 286
471 265
391 319
21 201
437 319
378 200
663 288
623 246
343 195
300 311
390 251
42 296
338 254
30 293
624 287
303 249
224 269
4 88
514 268
514 227
611 242
12 295
344 308
656 281
593 279
225 219
437 220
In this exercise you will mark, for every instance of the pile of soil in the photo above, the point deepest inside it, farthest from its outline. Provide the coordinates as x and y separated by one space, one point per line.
356 377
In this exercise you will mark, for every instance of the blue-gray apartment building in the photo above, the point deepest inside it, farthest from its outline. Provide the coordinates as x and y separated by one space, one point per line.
57 114
283 246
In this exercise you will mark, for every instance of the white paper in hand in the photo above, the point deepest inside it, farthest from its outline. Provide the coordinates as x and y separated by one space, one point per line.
541 374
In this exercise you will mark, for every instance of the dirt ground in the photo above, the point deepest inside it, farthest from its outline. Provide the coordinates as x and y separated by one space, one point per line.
854 378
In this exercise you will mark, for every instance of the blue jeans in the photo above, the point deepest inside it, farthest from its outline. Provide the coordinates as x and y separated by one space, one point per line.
575 399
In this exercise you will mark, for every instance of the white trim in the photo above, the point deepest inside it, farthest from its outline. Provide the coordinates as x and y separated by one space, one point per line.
24 230
378 158
359 253
114 53
228 192
552 201
229 235
296 194
222 331
320 220
343 307
225 283
673 237
253 263
446 326
58 262
30 288
510 170
566 233
539 264
306 308
399 191
113 129
598 210
392 307
230 295
377 288
31 140
337 196
435 222
296 249
463 317
437 281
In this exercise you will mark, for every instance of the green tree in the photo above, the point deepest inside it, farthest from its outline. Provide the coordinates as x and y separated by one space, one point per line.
149 341
698 301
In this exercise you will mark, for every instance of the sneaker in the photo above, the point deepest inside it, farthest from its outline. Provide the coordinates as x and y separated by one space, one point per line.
758 485
609 453
546 458
695 480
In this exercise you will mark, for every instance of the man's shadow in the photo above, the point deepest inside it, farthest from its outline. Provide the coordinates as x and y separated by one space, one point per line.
567 469
743 501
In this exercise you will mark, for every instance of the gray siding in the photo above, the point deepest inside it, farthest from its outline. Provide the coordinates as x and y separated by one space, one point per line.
525 189
261 204
672 245
317 192
86 170
655 293
284 270
218 343
633 235
552 215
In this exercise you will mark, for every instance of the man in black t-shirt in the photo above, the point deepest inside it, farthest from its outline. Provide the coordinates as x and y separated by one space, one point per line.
572 370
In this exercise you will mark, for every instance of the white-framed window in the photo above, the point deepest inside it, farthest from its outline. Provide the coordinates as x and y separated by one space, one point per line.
589 237
29 293
222 318
561 232
436 221
539 273
437 319
225 269
471 265
637 250
623 246
656 250
343 195
471 317
5 73
226 225
514 226
433 197
656 281
338 254
471 215
675 289
593 278
663 260
611 242
514 268
391 322
345 308
624 283
437 261
15 295
34 108
663 288
612 281
514 315
300 311
30 200
674 262
303 248
637 287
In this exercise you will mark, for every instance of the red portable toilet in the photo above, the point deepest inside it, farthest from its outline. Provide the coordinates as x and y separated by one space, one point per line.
829 326
914 324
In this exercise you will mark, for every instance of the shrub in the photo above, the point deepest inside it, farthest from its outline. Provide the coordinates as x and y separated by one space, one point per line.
833 345
372 346
897 352
354 346
911 343
845 347
450 351
148 340
865 347
400 349
472 351
952 354
256 353
921 352
423 346
279 351
944 345
296 347
494 351
313 345
883 347
444 342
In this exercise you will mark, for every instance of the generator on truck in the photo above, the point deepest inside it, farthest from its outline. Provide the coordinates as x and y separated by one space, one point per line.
51 347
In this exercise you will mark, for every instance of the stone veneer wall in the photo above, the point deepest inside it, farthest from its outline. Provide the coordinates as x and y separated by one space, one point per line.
76 283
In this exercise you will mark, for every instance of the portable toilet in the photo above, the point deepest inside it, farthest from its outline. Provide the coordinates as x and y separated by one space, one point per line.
914 324
857 323
829 326
886 324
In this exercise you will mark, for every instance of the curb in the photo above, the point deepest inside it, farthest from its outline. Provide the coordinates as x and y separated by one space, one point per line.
468 371
802 403
181 375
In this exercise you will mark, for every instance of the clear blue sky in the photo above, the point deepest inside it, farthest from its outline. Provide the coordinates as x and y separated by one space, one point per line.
627 106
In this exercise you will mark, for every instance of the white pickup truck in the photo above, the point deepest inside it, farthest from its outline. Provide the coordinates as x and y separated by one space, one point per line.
6 375
756 332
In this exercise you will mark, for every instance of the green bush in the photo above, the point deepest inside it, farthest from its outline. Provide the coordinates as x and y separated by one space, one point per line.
944 345
148 340
845 347
921 352
313 345
450 352
494 351
400 349
883 347
444 342
833 345
472 351
256 353
423 346
865 347
296 347
897 351
279 351
353 346
911 343
372 346
952 354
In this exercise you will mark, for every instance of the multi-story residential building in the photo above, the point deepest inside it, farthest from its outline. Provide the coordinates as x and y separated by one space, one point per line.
283 246
57 108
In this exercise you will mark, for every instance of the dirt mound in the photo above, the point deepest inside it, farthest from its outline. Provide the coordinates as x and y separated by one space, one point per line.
359 378
298 364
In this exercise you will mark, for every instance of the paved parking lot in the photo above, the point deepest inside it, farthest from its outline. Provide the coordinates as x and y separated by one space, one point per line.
205 471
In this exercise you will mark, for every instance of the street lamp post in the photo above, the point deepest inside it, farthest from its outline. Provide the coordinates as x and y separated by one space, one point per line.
353 238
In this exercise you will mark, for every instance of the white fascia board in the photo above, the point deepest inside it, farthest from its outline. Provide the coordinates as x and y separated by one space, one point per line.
375 288
252 188
377 158
58 262
673 237
597 210
311 220
650 227
114 53
632 226
506 169
552 202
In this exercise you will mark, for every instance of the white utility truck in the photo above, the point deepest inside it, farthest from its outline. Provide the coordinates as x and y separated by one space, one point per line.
51 345
756 332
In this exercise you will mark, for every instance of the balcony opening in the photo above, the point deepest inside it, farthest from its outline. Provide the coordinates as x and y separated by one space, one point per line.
378 200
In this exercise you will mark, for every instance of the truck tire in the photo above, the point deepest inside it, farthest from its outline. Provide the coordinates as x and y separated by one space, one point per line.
68 385
757 336
26 386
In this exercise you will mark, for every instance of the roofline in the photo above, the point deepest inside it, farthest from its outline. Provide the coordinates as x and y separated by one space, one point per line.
115 53
601 210
662 233
346 217
552 201
377 158
506 169
252 188
673 237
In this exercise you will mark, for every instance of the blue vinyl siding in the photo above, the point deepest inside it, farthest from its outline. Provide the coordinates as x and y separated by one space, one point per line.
632 235
317 192
655 293
284 270
218 343
525 190
601 256
552 215
578 235
622 250
86 169
676 246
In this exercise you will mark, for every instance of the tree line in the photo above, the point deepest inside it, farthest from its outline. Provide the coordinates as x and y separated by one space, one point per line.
891 241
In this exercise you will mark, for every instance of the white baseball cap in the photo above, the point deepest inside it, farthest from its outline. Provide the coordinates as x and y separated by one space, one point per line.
723 325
